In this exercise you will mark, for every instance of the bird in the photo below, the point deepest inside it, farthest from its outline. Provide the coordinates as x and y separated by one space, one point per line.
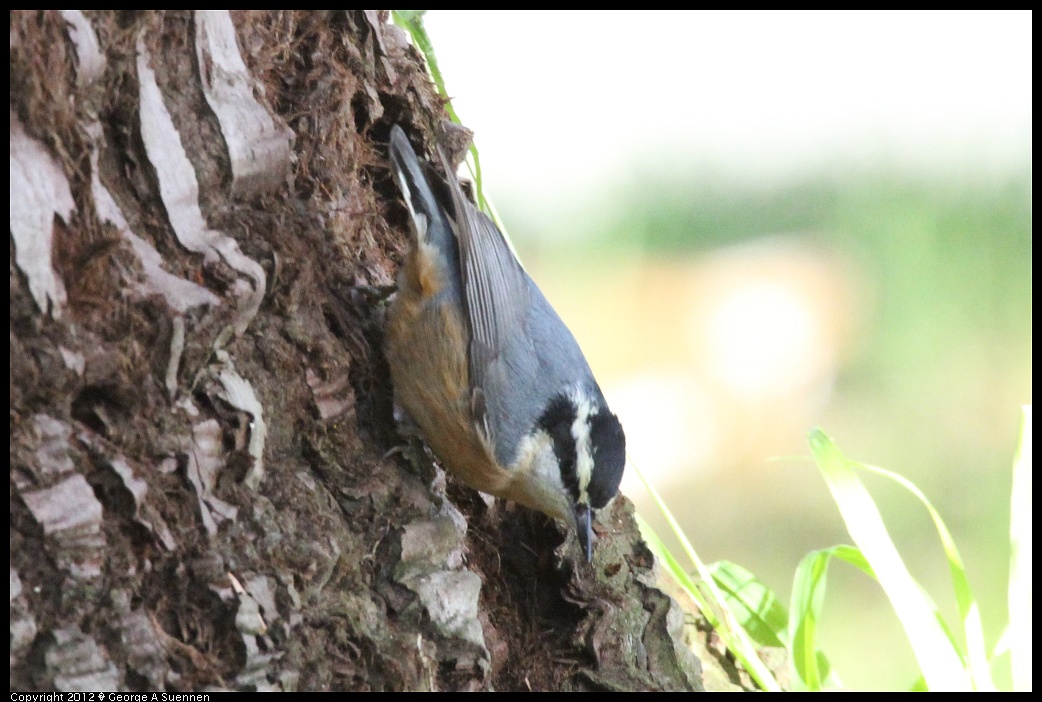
483 366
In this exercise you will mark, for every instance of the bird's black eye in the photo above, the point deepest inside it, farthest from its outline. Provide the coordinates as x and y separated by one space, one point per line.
608 443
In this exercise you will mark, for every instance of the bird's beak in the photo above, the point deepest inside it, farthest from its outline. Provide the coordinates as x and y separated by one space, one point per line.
584 529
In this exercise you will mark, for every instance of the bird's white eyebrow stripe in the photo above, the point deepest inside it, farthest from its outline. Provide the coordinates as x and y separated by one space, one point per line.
583 450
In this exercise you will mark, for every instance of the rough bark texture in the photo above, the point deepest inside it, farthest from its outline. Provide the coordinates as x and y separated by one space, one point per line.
205 491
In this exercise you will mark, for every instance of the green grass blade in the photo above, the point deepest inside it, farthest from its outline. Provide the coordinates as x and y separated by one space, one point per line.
412 22
809 665
808 594
754 605
713 605
969 610
934 649
669 562
1020 580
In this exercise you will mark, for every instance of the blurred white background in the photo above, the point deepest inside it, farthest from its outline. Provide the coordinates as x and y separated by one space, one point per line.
560 99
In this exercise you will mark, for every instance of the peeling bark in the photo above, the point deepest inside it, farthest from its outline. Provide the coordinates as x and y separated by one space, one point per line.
207 488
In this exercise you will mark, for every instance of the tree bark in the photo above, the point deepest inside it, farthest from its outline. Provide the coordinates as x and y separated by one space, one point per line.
207 487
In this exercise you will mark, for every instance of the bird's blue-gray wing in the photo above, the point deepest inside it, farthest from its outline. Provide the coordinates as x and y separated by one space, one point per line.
521 354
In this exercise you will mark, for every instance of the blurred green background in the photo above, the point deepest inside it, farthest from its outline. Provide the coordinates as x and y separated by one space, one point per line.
746 248
905 333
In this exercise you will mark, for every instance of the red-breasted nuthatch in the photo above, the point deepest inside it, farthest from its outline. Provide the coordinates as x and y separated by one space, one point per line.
484 366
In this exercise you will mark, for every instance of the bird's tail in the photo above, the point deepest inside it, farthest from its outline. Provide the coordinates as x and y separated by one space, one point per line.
418 186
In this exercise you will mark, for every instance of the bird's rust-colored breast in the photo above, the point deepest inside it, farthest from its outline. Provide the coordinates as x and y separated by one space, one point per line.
426 348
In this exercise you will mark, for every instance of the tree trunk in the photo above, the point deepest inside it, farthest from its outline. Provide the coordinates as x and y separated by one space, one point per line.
207 487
